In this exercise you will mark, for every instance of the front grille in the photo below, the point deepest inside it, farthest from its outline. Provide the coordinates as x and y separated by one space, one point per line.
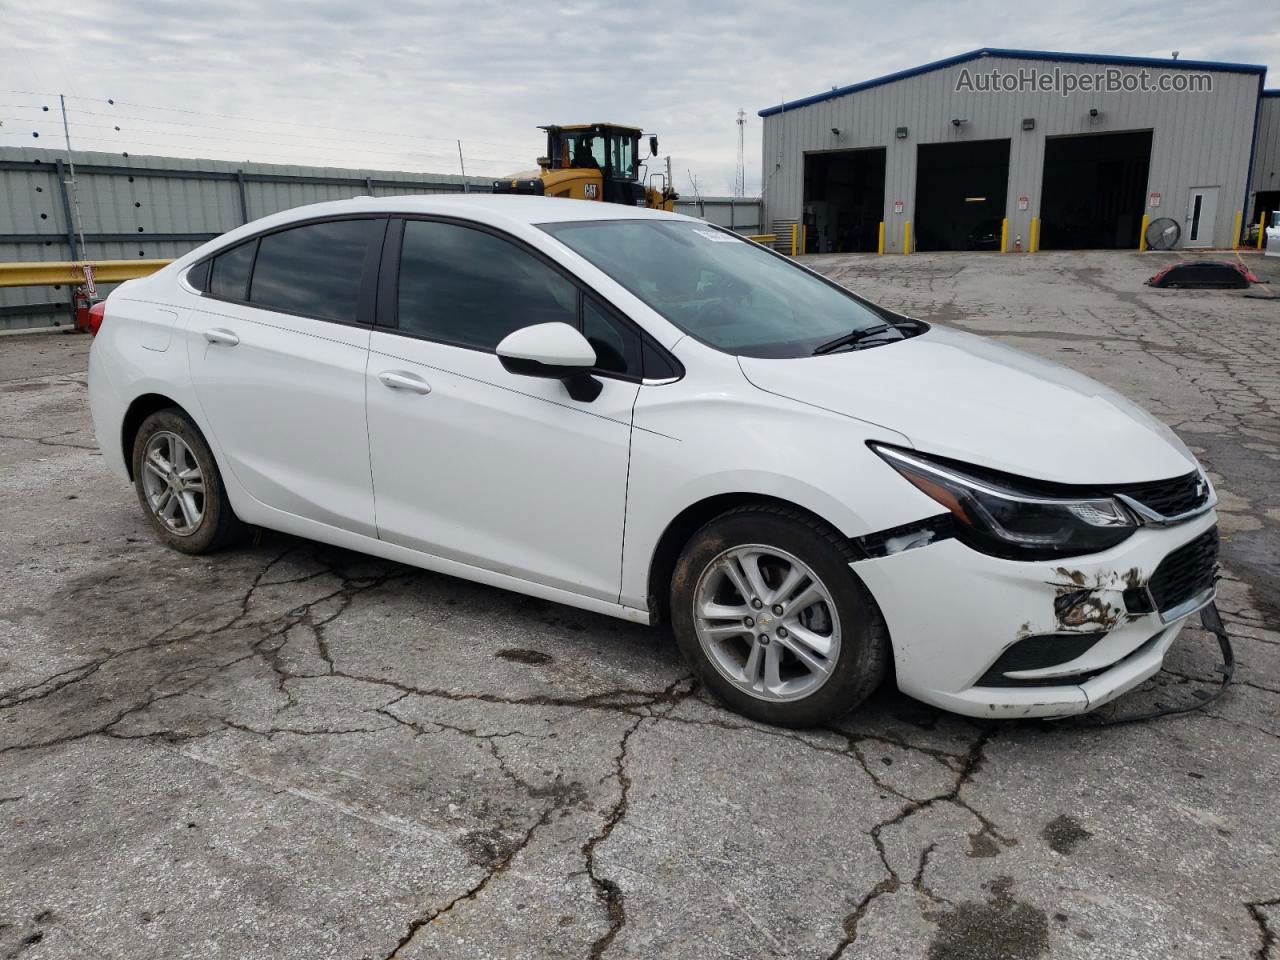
1169 498
1188 571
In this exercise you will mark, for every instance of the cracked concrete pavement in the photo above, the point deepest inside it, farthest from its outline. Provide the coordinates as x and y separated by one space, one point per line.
286 750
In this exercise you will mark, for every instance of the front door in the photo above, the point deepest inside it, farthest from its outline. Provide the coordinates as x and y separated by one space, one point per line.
476 464
1202 217
278 346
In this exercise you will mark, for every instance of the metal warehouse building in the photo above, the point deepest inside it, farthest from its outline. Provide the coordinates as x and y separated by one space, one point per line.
1047 150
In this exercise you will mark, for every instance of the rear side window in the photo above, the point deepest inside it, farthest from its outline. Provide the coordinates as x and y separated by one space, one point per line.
229 276
470 288
315 270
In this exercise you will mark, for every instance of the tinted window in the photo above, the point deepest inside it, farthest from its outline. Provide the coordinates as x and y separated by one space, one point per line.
472 288
723 290
229 277
314 270
617 348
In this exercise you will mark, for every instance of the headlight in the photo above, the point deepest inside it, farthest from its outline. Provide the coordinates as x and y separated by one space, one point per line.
996 517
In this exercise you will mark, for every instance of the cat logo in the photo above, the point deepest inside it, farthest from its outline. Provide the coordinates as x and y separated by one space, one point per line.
589 191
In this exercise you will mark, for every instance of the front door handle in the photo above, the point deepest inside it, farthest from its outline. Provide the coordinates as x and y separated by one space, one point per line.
398 380
221 335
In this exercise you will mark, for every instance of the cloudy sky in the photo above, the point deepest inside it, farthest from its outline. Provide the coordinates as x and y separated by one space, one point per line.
392 85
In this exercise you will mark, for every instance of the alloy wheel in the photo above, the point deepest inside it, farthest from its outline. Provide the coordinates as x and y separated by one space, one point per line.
173 482
767 622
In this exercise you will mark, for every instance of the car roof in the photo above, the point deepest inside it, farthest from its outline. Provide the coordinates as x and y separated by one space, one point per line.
504 211
486 207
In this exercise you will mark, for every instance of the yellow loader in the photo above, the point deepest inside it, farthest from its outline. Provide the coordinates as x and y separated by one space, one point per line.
596 161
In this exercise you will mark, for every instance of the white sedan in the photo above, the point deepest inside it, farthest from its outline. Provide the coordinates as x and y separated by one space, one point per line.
640 414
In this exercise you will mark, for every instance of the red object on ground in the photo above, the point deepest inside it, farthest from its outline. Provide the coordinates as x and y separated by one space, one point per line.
89 313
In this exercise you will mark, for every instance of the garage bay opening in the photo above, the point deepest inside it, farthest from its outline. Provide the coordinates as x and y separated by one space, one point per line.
843 200
1094 189
960 194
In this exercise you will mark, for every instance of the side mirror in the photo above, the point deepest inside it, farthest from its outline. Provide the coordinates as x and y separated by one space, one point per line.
555 351
653 146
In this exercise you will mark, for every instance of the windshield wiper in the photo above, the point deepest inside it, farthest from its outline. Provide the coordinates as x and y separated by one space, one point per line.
866 333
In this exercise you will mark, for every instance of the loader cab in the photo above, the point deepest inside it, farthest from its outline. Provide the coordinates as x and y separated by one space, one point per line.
612 149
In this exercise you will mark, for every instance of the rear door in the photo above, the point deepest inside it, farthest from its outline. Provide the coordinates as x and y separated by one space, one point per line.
479 465
278 346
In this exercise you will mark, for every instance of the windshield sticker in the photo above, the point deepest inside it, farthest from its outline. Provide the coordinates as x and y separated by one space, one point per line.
716 236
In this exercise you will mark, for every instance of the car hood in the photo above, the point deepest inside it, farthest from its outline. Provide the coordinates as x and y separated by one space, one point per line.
972 399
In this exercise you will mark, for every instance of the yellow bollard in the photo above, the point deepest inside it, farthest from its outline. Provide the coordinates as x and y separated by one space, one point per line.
804 239
1262 228
1034 245
1235 231
880 242
906 236
794 231
1142 234
1004 235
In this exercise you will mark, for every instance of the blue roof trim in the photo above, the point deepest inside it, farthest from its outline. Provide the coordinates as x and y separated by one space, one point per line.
1101 58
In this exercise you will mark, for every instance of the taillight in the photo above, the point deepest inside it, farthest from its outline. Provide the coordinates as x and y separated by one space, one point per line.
96 313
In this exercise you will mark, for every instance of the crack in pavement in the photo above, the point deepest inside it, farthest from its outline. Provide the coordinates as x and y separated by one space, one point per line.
973 761
1265 933
608 891
501 866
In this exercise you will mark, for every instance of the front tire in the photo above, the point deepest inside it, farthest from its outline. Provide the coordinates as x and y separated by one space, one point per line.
179 485
769 615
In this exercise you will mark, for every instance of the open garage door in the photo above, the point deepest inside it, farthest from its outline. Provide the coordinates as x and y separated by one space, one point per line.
843 200
960 194
1095 186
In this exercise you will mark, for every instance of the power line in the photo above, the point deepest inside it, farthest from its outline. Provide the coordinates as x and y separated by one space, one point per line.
295 158
254 137
251 141
295 123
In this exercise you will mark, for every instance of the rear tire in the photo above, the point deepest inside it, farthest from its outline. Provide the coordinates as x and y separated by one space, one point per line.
180 487
807 646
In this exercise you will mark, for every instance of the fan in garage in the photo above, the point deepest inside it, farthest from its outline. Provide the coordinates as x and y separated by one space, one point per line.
1163 233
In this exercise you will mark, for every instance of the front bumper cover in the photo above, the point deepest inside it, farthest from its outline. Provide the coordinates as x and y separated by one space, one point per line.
952 612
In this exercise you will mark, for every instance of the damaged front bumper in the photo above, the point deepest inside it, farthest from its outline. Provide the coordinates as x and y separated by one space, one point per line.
977 635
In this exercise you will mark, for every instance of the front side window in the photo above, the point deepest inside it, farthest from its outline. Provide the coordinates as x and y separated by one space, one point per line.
314 270
471 288
722 290
617 348
583 150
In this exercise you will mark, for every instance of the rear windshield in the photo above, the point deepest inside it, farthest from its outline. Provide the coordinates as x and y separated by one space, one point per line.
719 288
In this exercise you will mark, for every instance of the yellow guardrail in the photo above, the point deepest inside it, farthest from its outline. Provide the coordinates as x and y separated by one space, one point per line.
57 272
765 238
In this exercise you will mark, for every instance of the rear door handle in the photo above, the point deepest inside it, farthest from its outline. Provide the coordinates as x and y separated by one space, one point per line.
221 335
398 380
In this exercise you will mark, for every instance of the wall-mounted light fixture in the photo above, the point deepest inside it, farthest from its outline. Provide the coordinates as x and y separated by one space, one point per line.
957 121
901 133
835 131
1028 123
1093 113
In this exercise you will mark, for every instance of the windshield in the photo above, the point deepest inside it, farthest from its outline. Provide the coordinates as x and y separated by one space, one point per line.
584 150
717 287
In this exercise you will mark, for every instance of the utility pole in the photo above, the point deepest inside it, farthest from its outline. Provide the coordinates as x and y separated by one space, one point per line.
466 188
71 164
740 177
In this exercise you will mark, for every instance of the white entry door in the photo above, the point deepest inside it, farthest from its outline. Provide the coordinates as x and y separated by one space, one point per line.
1202 217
